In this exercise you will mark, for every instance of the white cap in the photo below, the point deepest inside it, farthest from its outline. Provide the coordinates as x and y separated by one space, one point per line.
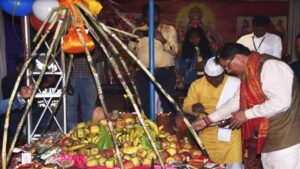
211 68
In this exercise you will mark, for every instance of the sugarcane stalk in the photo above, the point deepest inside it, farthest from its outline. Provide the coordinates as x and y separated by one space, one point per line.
44 36
117 54
100 94
10 102
123 32
9 107
45 22
125 86
61 96
138 99
29 103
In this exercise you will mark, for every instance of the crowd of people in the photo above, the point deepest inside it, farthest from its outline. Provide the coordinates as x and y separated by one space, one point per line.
244 83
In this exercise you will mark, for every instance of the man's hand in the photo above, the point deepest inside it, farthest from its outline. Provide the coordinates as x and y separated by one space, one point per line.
237 119
198 108
199 124
160 37
26 91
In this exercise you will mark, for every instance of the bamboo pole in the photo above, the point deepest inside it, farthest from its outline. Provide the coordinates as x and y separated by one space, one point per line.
29 104
100 94
62 94
121 79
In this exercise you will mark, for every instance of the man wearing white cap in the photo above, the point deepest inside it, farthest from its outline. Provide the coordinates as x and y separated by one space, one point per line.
206 95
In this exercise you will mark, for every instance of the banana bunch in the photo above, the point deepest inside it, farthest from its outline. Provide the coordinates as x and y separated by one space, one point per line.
131 135
84 135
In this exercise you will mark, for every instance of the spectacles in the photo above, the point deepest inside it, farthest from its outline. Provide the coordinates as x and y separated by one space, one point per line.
228 64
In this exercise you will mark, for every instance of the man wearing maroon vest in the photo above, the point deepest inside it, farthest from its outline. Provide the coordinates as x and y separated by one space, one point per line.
267 104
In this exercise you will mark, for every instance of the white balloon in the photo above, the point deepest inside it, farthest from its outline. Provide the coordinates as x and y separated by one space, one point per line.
42 8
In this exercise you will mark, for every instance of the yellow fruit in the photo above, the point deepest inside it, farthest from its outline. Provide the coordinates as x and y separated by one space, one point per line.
80 125
129 121
129 150
94 129
76 147
103 122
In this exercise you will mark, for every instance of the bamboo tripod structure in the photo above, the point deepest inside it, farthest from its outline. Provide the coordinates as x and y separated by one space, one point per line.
152 78
121 79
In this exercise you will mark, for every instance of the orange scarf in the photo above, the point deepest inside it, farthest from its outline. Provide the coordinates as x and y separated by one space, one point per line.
251 94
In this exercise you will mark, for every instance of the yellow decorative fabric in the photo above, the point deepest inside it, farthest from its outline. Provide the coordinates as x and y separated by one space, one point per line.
201 91
93 5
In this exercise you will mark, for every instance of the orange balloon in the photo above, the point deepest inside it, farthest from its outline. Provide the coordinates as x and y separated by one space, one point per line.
72 43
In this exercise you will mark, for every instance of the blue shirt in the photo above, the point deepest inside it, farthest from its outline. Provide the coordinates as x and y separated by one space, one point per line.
18 103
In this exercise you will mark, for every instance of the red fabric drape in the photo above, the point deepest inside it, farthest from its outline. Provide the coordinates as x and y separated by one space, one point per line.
251 94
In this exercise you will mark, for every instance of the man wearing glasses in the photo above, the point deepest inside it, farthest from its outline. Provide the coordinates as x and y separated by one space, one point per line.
268 103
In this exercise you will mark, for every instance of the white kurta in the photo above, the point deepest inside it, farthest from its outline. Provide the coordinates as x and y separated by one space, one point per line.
277 80
268 44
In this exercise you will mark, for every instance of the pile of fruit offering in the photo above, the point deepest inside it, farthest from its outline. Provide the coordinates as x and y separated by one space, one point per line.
94 142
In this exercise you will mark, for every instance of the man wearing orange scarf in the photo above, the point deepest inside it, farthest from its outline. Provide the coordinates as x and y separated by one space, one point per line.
268 103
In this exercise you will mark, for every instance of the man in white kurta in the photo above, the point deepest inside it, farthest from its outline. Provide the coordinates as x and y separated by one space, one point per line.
276 79
260 40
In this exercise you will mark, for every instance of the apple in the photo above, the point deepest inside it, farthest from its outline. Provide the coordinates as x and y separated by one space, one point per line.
177 157
169 160
151 155
120 124
196 163
113 122
141 153
184 150
108 153
186 156
186 145
196 153
67 142
94 151
146 161
127 144
101 161
172 151
165 155
92 163
172 138
81 152
164 145
173 145
136 161
109 163
127 157
128 164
